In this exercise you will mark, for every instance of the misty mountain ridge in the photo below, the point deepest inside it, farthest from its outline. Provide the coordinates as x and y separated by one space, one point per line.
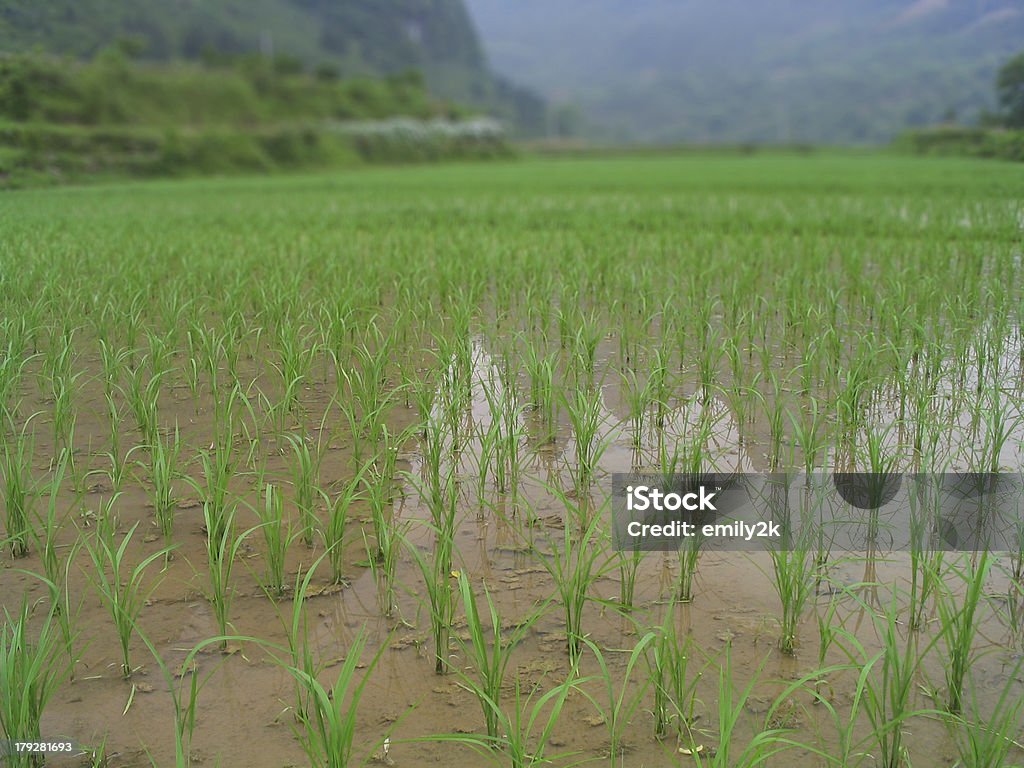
844 71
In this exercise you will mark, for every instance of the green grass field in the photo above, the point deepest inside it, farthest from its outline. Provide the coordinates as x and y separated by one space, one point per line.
316 469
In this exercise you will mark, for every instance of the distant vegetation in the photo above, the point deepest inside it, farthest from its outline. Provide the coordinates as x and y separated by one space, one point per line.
355 38
999 134
60 119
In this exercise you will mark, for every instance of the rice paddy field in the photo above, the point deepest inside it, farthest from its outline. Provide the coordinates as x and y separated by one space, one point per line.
316 470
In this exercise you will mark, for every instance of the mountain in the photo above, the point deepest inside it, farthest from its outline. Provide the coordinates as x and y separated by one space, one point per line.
837 71
356 37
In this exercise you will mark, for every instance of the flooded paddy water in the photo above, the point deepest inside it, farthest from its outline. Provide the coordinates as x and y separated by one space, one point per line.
477 369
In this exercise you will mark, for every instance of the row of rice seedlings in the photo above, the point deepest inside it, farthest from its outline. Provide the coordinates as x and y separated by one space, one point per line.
30 674
120 585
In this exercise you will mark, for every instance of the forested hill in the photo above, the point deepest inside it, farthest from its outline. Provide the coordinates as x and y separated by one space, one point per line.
754 70
356 37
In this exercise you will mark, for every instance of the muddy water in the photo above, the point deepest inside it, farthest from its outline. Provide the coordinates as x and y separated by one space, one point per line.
244 712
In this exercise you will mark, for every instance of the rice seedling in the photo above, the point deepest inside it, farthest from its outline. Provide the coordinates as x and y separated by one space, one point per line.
327 732
584 412
926 561
796 576
223 548
731 711
669 663
986 737
959 625
300 648
277 536
305 472
56 567
489 653
30 674
573 566
617 705
628 564
437 574
144 401
337 519
527 725
885 695
120 585
184 685
19 488
689 553
163 473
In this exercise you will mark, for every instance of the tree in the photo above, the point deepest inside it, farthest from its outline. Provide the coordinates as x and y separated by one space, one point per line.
1010 88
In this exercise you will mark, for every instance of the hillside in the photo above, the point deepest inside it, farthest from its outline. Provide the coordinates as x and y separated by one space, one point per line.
356 37
848 71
